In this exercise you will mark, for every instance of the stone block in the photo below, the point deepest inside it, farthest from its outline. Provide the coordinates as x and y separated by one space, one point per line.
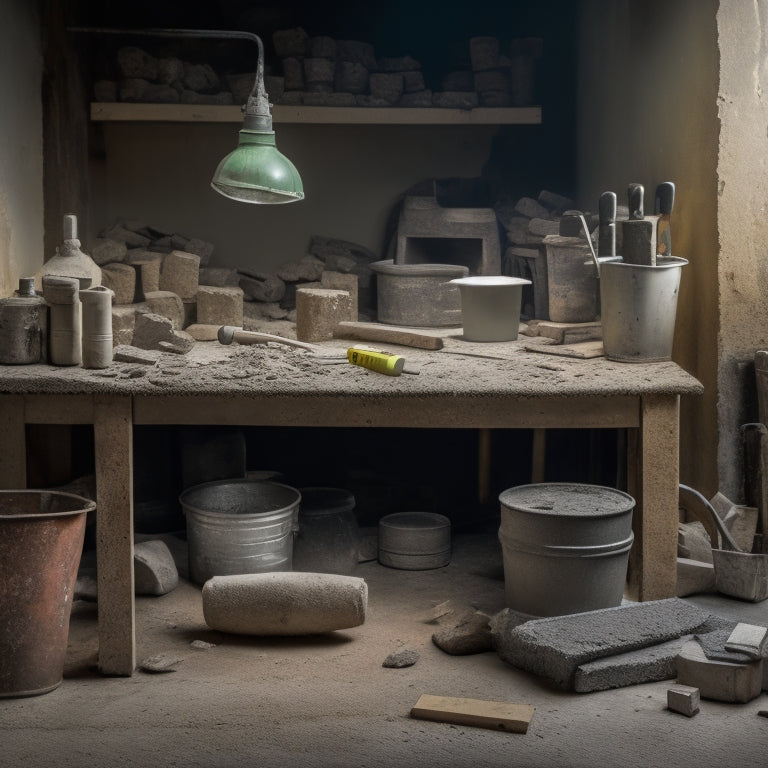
274 85
180 274
261 287
694 577
322 46
419 99
531 209
555 647
104 250
241 85
147 278
200 78
317 70
307 269
719 680
219 306
683 699
387 86
153 331
413 82
351 77
121 280
133 62
750 639
290 42
123 322
470 633
340 281
167 304
293 74
318 312
356 51
154 569
220 276
484 53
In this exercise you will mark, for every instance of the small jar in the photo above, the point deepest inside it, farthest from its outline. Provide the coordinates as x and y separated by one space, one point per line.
65 326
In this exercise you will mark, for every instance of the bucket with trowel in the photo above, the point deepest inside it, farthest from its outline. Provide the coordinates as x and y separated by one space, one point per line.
639 288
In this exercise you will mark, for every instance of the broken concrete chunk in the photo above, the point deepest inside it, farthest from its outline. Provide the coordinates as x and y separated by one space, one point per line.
200 78
261 287
133 62
694 577
557 204
180 274
719 680
167 304
219 276
471 633
693 542
105 250
160 663
124 235
180 344
200 248
555 647
683 699
405 657
151 329
154 569
121 280
307 269
125 353
531 209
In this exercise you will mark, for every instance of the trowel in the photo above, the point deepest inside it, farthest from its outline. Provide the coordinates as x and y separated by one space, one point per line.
665 200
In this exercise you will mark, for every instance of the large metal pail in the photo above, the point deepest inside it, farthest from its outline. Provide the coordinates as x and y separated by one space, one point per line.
638 309
41 541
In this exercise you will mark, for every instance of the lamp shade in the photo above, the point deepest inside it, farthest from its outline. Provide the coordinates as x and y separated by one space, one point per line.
256 172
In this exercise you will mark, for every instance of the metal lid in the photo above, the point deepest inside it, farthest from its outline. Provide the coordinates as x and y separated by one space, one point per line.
567 499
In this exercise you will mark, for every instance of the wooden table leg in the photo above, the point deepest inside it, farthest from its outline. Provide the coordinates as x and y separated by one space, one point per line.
113 440
653 478
13 443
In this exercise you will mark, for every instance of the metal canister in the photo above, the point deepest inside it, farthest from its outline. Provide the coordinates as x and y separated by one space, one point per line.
23 321
97 326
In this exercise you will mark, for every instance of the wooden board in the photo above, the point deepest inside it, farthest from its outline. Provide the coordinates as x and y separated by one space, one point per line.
584 350
497 715
387 333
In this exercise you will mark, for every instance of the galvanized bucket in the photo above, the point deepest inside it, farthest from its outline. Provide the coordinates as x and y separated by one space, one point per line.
638 309
41 540
565 547
239 526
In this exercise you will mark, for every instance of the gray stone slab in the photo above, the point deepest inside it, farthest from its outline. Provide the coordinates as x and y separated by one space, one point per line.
555 647
646 665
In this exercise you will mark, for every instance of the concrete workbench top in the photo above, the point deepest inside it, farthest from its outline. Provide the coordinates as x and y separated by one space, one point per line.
461 367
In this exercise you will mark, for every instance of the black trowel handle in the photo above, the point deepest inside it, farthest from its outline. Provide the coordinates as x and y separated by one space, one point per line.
665 197
635 195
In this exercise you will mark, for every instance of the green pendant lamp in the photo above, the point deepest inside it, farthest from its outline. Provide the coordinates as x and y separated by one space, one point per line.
257 172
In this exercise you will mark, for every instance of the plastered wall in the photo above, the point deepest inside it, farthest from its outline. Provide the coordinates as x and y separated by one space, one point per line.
647 112
21 144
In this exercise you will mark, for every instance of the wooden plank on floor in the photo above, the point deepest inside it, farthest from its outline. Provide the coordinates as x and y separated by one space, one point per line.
497 715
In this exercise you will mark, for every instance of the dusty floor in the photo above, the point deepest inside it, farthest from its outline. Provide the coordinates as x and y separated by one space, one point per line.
327 701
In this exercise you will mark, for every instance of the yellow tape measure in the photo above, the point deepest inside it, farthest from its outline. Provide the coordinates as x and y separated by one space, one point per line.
382 362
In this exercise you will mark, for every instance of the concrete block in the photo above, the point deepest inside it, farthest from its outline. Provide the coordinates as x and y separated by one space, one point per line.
645 665
123 322
357 51
220 306
136 62
339 281
387 86
319 70
147 277
104 250
284 603
153 331
261 287
307 269
170 69
555 647
413 81
694 577
167 304
154 568
125 235
319 311
200 78
126 353
121 280
719 680
322 46
290 42
531 209
351 77
180 274
683 699
220 276
293 74
749 639
418 99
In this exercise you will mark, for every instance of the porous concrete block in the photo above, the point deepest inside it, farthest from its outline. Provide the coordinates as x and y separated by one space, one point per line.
147 277
719 680
104 250
121 280
356 50
306 269
154 569
470 633
351 77
322 46
220 306
290 42
284 603
319 311
167 304
136 62
646 665
683 699
555 647
319 70
387 85
180 274
340 281
123 322
200 78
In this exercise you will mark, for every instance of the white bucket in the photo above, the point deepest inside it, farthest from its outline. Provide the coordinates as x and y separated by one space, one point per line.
490 306
239 526
565 547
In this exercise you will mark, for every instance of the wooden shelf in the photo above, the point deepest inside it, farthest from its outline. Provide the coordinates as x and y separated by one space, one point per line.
204 113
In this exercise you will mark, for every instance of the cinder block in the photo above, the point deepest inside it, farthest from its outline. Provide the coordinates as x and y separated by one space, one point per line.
220 306
319 311
180 274
683 699
719 680
555 647
339 281
646 665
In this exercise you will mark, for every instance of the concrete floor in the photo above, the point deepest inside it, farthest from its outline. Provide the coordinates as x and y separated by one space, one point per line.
327 701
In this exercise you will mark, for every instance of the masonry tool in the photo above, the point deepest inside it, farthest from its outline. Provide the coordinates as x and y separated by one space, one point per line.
639 230
606 234
665 199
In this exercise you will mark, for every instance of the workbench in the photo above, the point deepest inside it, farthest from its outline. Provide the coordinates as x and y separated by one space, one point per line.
464 385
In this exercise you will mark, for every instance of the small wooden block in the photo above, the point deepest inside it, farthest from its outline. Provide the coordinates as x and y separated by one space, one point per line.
497 715
585 350
387 333
570 333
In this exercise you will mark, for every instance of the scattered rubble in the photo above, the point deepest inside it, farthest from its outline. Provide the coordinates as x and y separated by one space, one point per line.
403 657
470 633
160 663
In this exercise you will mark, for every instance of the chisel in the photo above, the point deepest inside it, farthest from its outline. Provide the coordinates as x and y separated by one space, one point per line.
639 231
665 199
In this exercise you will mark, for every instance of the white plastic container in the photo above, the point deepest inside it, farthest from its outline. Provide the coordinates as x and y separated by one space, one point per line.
490 306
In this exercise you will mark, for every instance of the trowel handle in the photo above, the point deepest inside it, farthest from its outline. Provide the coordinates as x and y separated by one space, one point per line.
665 197
228 334
635 195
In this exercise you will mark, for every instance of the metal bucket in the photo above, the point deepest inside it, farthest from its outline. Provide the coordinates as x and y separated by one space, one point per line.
639 306
572 281
41 540
239 526
565 547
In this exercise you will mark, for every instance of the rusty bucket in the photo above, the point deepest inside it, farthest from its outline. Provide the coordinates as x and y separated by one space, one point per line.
41 540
